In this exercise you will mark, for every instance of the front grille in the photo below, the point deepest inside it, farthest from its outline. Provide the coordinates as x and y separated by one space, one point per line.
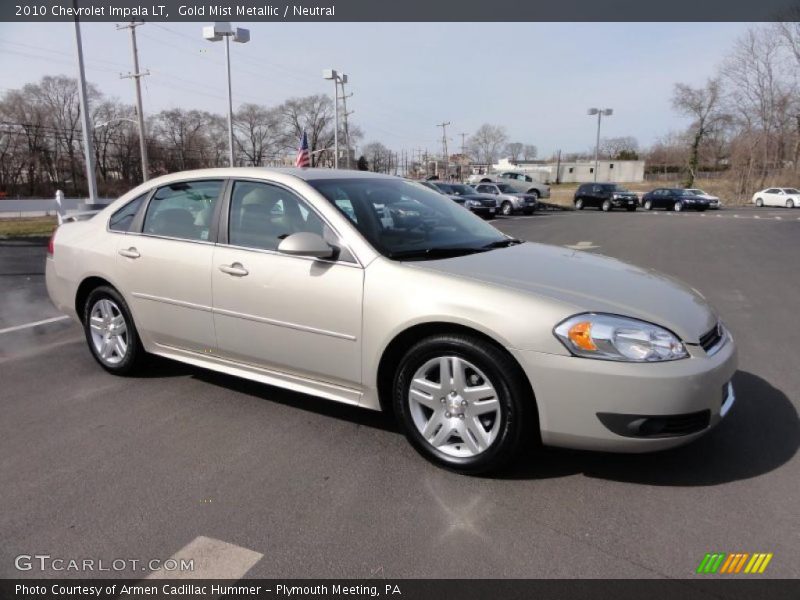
489 203
711 338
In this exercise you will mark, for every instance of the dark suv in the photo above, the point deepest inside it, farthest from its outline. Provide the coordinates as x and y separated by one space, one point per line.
605 196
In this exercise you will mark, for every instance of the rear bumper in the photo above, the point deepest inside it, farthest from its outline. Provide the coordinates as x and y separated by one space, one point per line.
629 407
60 290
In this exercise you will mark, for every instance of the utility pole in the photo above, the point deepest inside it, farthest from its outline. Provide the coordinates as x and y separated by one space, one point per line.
136 76
444 146
558 167
88 150
463 143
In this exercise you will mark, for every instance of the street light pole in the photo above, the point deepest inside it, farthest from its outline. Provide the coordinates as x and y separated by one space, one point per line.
215 33
600 113
333 74
88 150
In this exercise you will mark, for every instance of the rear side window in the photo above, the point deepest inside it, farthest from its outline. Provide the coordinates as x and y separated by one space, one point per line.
183 210
122 219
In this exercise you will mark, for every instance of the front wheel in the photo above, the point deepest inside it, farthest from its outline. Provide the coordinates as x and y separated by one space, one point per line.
759 202
461 402
534 193
648 205
678 207
790 204
579 204
606 206
506 209
110 332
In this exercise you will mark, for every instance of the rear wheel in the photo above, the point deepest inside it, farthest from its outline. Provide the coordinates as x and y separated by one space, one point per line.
506 209
606 206
110 332
579 204
648 205
534 193
461 402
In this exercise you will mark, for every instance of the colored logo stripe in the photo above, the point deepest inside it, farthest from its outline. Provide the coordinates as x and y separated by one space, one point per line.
720 562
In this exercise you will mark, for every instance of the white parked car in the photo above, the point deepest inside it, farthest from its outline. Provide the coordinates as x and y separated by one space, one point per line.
787 197
521 183
713 202
377 292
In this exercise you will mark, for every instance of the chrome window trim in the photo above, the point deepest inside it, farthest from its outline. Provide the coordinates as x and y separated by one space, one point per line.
147 196
344 263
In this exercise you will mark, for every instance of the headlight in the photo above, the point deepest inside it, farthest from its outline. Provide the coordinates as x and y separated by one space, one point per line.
609 337
472 203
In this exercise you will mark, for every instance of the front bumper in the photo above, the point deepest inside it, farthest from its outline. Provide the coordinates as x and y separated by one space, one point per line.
484 211
625 202
572 393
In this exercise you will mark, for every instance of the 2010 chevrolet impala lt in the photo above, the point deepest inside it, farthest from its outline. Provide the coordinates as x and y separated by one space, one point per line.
378 292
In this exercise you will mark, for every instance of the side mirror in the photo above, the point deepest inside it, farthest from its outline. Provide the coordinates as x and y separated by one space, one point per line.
305 243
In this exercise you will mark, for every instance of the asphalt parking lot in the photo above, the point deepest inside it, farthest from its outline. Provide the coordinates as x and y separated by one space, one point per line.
102 467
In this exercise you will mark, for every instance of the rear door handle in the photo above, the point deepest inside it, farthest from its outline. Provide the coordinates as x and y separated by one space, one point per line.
236 269
130 253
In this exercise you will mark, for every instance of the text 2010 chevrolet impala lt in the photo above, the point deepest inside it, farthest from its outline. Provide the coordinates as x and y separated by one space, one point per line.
378 292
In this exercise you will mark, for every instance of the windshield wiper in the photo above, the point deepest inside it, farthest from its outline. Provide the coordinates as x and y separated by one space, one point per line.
503 243
436 252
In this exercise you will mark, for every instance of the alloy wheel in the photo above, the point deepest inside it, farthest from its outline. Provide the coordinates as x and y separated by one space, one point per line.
678 207
454 406
790 204
506 208
759 202
109 331
648 205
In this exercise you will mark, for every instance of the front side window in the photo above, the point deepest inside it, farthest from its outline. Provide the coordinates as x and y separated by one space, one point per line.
122 219
262 215
404 221
183 210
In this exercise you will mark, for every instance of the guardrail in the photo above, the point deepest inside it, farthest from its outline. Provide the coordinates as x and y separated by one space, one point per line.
48 207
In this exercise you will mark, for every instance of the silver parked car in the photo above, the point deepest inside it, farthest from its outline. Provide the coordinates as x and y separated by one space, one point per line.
374 291
510 200
519 181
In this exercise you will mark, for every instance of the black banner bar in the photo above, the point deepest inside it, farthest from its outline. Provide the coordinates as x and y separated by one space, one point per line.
402 10
739 588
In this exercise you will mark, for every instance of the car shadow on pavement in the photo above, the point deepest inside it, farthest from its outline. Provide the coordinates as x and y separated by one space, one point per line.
760 434
321 406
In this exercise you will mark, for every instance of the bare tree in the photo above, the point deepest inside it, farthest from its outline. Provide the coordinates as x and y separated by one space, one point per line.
314 114
529 152
487 142
620 148
378 156
514 150
259 135
703 106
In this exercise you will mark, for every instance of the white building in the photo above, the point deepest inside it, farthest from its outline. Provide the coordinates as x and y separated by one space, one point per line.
612 171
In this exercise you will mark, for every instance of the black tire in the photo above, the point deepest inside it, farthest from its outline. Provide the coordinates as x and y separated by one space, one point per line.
648 204
534 193
701 209
579 204
606 206
678 206
759 202
135 353
528 211
506 377
506 209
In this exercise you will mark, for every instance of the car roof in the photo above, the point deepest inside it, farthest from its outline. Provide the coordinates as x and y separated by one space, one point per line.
306 174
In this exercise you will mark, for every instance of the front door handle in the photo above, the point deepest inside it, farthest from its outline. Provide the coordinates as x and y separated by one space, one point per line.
130 252
236 269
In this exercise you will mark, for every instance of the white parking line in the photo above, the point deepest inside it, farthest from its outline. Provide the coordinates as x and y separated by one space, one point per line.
213 559
34 324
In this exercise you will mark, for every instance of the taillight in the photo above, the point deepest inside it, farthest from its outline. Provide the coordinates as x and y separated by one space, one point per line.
51 244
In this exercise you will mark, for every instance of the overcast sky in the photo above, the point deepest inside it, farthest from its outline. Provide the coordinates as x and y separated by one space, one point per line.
536 79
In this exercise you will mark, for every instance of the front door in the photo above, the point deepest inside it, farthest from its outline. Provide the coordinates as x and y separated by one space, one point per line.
294 314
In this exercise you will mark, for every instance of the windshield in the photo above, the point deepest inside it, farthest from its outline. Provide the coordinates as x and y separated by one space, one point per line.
403 220
506 189
444 188
462 190
696 192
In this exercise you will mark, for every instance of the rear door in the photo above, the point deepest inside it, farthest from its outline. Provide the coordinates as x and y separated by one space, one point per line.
164 264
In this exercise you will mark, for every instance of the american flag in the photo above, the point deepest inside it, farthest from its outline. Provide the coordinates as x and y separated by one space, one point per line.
303 157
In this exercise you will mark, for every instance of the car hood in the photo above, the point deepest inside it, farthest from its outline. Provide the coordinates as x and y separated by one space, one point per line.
588 283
